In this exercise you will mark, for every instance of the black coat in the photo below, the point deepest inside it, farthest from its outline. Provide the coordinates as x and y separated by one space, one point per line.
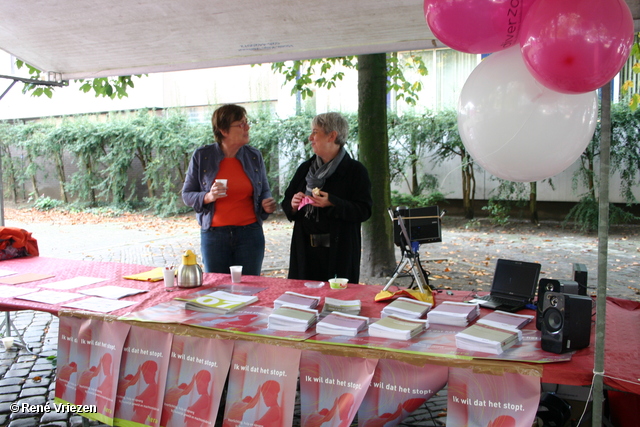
349 191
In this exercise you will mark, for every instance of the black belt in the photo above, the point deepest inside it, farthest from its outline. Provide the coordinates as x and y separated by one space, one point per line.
320 240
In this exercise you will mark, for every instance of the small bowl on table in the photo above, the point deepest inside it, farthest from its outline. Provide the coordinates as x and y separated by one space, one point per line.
338 283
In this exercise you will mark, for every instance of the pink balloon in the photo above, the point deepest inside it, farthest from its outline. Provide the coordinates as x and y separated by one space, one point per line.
476 26
576 46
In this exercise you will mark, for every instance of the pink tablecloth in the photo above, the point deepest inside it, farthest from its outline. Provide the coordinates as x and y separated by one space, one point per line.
622 347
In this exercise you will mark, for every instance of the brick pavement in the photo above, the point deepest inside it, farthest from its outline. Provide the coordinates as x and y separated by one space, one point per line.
462 261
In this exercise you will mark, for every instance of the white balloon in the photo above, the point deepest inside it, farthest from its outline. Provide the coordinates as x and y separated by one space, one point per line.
516 128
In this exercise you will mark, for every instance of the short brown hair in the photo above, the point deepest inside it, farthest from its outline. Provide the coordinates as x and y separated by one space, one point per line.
222 118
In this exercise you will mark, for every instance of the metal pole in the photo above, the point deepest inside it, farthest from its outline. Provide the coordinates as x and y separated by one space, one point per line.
603 241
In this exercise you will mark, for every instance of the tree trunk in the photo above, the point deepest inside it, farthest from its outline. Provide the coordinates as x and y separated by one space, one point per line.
378 257
61 176
415 188
533 202
468 187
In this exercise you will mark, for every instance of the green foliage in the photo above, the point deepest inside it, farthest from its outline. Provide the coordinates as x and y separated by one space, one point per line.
46 204
304 74
411 201
585 215
498 211
110 87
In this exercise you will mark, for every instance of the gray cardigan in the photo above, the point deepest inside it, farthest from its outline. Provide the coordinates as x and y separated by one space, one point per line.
202 171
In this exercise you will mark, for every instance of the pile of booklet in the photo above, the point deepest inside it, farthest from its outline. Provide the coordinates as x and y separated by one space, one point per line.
503 319
342 306
218 302
341 324
398 327
493 333
487 339
296 299
453 313
292 318
406 307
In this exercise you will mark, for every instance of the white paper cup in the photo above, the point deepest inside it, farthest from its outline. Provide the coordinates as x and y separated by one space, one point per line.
169 277
236 273
7 342
224 183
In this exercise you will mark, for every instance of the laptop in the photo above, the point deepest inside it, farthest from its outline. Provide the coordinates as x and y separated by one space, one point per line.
513 287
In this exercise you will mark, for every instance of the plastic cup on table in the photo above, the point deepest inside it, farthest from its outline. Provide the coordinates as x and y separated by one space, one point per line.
236 273
169 276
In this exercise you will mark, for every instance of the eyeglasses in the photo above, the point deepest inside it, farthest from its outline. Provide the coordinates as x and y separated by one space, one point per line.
245 124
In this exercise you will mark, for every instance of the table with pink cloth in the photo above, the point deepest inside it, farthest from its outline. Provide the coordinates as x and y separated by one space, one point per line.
622 361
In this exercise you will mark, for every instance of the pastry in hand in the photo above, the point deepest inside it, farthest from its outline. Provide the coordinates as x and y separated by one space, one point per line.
315 192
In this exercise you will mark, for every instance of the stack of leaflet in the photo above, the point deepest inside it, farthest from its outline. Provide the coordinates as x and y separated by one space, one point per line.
292 318
487 339
453 313
218 302
407 307
342 306
296 299
398 327
503 319
342 324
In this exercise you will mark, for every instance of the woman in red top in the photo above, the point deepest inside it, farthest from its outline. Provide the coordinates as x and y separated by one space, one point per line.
230 217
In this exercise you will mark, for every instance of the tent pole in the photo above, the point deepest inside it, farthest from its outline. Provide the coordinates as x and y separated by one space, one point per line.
603 241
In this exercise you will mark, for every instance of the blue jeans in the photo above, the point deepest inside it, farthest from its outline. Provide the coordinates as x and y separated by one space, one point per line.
233 245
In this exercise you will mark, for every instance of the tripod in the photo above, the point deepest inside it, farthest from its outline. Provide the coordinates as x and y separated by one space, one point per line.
410 252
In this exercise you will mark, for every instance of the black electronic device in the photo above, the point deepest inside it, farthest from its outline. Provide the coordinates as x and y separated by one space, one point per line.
580 276
513 287
553 285
423 225
566 322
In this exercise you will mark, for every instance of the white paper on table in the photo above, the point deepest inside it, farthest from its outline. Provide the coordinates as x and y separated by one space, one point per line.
111 291
101 305
75 282
50 297
6 272
7 291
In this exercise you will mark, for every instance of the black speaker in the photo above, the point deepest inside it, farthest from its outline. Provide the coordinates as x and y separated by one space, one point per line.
552 285
566 322
580 276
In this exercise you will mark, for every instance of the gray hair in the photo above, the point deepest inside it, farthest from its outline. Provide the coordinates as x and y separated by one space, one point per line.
330 122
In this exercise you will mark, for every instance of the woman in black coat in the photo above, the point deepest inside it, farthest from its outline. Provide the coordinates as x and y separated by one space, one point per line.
328 198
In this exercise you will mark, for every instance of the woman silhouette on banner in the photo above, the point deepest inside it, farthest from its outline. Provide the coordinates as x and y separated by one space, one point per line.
201 408
105 389
146 401
64 375
273 417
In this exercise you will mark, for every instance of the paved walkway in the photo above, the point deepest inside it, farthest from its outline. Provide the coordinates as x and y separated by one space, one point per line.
462 261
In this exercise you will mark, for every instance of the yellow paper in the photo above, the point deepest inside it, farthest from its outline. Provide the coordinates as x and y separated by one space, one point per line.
154 275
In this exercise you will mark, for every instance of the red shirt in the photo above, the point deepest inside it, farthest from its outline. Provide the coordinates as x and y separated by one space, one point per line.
237 207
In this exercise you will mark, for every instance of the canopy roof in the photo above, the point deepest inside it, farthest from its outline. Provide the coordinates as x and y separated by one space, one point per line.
99 38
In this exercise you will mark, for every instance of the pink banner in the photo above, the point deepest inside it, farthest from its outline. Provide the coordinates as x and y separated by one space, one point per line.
197 373
332 388
262 385
485 400
142 379
397 389
89 353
